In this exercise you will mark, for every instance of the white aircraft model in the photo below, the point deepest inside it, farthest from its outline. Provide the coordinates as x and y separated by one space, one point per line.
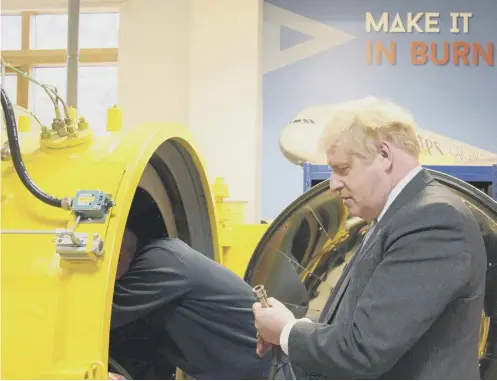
299 140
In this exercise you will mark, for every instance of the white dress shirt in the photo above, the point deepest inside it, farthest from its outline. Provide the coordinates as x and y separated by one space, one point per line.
285 333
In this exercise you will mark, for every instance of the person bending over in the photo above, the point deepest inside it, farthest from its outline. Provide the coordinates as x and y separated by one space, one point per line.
200 312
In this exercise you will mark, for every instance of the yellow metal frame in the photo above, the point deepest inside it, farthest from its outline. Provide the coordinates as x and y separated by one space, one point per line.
237 239
56 315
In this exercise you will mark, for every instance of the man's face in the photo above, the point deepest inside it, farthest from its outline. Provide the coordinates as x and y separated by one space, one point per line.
128 248
364 186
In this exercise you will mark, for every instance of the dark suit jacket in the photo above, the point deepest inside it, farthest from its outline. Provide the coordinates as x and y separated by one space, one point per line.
200 311
413 296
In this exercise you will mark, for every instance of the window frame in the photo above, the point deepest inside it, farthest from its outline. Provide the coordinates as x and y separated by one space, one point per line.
26 59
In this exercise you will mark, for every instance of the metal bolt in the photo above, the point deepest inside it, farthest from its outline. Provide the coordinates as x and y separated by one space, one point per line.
98 247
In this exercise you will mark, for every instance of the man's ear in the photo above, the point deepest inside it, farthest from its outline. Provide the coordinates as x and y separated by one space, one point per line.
386 151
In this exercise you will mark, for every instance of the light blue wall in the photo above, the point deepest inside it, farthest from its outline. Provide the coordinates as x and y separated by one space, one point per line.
459 102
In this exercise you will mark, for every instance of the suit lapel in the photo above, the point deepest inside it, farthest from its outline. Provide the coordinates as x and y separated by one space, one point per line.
336 294
408 193
342 285
369 244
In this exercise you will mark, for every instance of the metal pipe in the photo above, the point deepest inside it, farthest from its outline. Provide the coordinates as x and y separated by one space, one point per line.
29 232
72 52
59 232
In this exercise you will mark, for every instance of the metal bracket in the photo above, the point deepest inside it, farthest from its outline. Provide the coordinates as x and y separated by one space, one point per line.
80 247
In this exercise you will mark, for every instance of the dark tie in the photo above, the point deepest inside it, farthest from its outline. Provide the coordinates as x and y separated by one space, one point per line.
338 291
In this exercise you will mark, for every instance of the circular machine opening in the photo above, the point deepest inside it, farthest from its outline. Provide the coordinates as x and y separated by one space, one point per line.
303 253
169 201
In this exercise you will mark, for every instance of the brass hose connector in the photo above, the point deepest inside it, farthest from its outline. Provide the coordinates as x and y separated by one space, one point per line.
260 293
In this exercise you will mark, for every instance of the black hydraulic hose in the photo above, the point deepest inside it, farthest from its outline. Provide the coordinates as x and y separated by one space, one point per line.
15 151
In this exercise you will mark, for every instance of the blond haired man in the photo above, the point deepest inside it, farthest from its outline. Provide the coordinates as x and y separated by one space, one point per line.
408 304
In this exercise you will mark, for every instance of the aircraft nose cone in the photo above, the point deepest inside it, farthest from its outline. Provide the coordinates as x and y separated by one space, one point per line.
299 143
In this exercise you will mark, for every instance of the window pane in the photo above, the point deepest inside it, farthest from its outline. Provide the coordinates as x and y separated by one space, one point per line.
99 30
96 30
10 86
11 32
49 32
97 91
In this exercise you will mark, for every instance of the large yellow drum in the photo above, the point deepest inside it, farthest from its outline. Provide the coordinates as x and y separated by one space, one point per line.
58 270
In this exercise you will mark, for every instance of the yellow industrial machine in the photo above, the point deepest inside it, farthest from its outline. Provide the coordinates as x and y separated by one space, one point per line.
60 241
67 195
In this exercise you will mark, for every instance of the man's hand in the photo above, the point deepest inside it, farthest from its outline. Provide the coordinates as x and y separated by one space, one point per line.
263 347
115 376
270 321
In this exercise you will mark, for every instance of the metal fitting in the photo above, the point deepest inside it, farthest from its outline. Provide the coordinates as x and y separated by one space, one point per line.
82 124
88 248
45 133
260 293
5 153
60 126
98 245
66 203
71 127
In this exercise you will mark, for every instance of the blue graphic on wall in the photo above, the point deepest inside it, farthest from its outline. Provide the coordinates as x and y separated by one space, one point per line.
316 53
